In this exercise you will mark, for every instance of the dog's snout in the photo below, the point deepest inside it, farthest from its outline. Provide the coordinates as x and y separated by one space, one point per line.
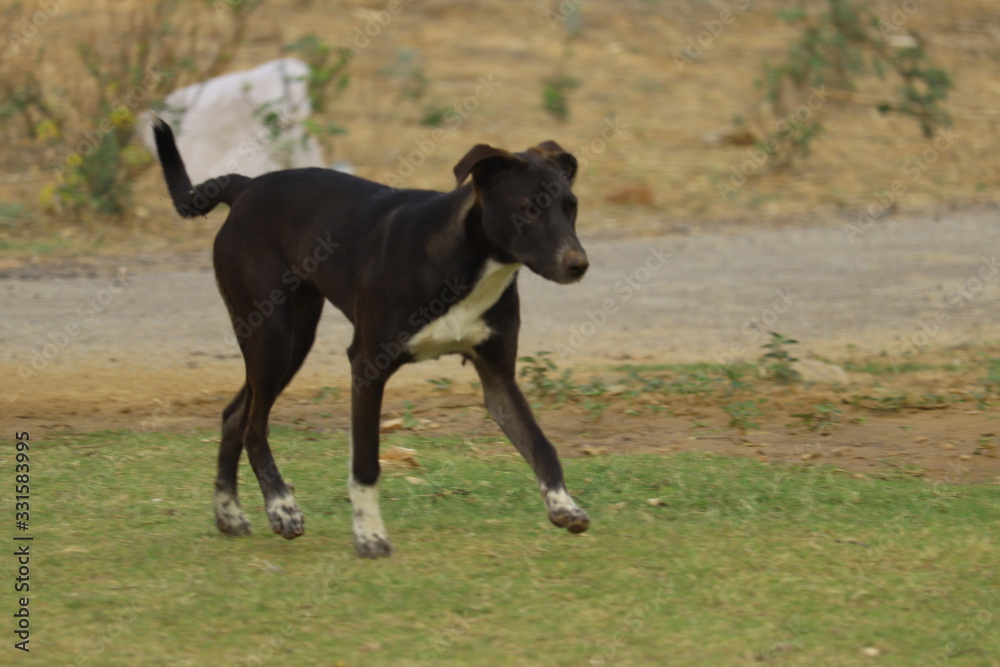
575 264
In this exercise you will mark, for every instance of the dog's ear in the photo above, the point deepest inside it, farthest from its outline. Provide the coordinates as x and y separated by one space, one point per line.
482 161
565 160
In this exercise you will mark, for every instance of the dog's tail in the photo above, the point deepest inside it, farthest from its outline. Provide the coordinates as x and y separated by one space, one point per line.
192 201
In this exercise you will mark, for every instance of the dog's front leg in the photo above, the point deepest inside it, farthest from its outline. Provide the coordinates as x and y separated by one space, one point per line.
370 537
510 409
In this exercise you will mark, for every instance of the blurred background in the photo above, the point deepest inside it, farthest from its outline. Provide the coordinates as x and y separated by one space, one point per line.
683 113
790 211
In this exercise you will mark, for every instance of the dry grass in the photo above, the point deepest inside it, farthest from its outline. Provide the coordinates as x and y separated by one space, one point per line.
623 56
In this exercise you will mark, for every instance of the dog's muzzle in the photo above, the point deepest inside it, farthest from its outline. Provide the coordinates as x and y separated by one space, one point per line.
572 265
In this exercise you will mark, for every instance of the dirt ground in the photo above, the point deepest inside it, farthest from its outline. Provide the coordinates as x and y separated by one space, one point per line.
144 343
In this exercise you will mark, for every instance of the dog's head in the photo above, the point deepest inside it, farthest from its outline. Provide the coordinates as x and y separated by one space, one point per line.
528 206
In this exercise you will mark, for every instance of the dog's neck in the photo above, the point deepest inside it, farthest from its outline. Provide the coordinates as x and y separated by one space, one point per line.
464 227
454 232
463 327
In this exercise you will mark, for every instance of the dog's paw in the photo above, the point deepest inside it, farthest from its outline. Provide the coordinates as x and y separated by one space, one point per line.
372 546
574 521
564 513
286 517
229 516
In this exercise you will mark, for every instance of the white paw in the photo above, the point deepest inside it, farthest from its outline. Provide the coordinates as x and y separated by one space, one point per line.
370 537
229 516
563 512
286 517
372 546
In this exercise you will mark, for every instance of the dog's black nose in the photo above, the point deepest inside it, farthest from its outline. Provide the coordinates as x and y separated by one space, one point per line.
575 264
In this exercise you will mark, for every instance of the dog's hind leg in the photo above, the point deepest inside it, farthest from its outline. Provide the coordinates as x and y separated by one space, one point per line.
268 356
510 409
273 352
229 516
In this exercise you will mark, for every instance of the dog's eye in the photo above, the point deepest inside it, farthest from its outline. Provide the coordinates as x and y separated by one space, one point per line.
569 207
528 208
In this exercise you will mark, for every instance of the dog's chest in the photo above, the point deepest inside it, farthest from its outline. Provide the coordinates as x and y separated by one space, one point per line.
462 327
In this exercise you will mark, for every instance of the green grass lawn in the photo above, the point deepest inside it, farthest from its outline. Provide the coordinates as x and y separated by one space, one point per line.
740 563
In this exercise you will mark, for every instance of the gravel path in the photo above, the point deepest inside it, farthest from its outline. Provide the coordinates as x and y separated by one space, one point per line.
709 296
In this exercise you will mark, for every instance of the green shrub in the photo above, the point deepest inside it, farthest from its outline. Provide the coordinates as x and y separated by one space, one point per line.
834 48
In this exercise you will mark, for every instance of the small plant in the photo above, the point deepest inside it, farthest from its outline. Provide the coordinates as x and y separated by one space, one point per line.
85 134
544 379
328 77
735 377
893 402
986 446
698 383
434 116
595 388
327 69
638 384
557 87
408 72
824 418
409 421
23 100
595 408
327 393
11 213
991 383
741 412
441 384
835 47
555 95
778 360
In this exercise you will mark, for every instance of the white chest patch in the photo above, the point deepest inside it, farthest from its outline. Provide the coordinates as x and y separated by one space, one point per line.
462 327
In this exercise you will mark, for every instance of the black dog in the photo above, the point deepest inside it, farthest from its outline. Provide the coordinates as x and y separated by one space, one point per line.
418 273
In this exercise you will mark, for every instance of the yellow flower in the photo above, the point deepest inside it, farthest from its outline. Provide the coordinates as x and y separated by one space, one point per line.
122 117
47 197
47 129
